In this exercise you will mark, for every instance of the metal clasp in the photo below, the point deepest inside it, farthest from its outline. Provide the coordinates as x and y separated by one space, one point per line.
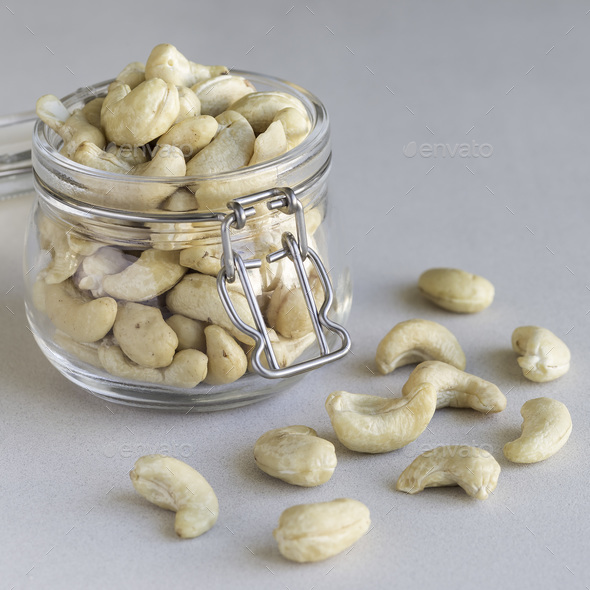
297 250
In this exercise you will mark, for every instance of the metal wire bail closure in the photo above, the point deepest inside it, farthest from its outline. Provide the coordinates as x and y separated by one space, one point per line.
297 250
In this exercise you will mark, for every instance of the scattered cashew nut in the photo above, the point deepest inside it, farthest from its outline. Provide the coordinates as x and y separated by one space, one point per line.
455 388
472 468
313 532
372 424
546 427
297 455
173 485
543 356
456 290
414 341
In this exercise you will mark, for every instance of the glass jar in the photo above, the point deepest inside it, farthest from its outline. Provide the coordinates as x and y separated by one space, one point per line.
104 276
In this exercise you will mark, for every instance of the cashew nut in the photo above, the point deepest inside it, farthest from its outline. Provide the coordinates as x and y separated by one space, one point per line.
546 426
190 333
372 424
260 108
64 260
474 469
191 135
81 318
187 370
89 154
196 297
456 290
133 74
86 352
174 485
544 356
189 104
217 94
91 110
181 200
130 155
136 117
313 532
154 272
456 388
144 336
296 125
73 129
297 455
270 144
227 360
105 261
167 63
414 341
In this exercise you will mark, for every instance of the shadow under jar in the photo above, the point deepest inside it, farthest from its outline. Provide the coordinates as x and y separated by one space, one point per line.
107 277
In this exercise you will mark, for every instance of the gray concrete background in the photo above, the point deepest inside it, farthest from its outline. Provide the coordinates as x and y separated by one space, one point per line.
512 76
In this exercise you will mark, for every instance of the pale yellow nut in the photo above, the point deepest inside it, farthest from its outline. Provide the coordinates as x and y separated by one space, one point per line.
260 108
81 245
144 336
297 455
167 63
173 485
72 128
543 356
53 237
296 125
372 424
133 74
270 144
81 318
227 360
190 333
546 427
196 297
89 154
455 388
191 135
86 352
313 532
130 155
471 468
94 268
181 200
154 273
91 110
217 94
456 290
205 258
286 350
189 104
136 117
187 370
414 341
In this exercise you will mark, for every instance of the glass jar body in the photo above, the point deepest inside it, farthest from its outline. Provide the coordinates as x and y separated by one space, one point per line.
120 297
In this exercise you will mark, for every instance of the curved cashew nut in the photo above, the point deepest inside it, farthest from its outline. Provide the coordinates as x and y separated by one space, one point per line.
174 485
91 110
189 104
455 388
456 290
312 532
217 94
372 424
296 125
81 318
227 360
187 370
136 117
133 74
105 261
269 144
144 336
546 427
154 272
73 129
474 469
131 155
297 455
64 259
414 341
260 108
181 200
190 333
86 352
196 297
167 63
544 356
191 135
89 154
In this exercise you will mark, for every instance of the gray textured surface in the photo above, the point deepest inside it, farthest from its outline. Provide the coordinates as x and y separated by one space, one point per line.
511 75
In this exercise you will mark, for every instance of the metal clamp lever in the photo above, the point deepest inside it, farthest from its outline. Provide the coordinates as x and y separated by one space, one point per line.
297 250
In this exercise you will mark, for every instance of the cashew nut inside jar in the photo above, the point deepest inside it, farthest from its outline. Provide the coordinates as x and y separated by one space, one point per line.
184 260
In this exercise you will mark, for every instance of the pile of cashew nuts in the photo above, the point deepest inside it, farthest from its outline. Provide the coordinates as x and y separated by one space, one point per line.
152 313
